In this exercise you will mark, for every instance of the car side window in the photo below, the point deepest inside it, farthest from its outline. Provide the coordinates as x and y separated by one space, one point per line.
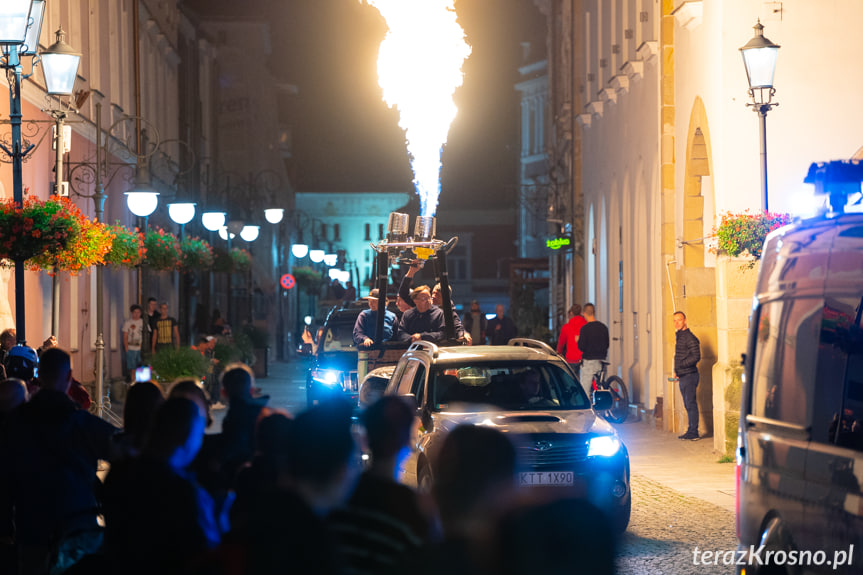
846 424
786 353
419 383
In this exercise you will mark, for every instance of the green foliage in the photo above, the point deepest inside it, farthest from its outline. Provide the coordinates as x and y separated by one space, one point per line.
308 279
170 364
37 226
742 233
127 247
235 348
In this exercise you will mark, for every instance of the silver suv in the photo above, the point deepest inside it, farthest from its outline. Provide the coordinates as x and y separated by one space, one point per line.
529 392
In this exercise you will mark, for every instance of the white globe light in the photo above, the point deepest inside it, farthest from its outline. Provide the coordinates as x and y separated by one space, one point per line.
274 215
142 204
317 256
250 233
344 276
223 233
213 220
299 250
307 320
331 259
335 273
181 213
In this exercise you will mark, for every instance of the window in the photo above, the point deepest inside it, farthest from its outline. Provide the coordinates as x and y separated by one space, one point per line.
786 352
380 231
337 233
324 232
368 236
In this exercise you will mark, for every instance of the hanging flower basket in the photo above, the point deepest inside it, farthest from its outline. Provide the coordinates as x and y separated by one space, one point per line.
88 248
308 279
744 233
127 249
162 250
238 260
197 254
241 258
36 227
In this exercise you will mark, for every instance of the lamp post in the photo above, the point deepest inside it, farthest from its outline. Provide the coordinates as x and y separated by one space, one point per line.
141 200
20 25
759 58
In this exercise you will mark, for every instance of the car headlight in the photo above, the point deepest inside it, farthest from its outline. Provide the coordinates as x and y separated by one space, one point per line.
603 446
328 377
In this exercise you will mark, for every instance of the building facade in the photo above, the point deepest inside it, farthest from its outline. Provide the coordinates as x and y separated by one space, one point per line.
663 143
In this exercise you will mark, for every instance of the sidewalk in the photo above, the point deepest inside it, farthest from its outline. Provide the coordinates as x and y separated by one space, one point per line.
689 467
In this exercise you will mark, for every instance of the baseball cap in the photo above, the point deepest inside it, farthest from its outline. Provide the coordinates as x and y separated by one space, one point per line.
373 294
21 360
209 338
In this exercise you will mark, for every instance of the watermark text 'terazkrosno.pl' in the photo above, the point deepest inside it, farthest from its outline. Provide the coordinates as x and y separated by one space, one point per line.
757 556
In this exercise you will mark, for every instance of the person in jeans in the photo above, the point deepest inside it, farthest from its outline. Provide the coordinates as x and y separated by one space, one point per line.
687 353
133 338
593 343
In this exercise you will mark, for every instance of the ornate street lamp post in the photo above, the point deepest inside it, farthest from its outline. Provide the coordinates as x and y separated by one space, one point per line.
759 58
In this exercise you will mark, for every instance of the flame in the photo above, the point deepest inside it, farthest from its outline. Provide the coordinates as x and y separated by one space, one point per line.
419 69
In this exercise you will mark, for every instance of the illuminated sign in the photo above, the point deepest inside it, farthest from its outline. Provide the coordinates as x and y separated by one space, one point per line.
557 243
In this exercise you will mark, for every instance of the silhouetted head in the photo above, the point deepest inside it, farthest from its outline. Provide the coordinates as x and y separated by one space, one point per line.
13 392
191 388
177 432
142 401
55 369
388 423
237 381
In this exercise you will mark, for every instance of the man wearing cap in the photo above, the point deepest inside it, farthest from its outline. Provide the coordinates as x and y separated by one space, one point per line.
367 321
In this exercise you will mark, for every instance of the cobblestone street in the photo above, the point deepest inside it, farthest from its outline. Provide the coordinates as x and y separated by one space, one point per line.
665 528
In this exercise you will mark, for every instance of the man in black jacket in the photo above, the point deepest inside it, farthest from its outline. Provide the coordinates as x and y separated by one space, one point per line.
593 343
687 353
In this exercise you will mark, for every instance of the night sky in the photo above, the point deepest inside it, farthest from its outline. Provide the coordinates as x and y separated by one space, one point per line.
345 137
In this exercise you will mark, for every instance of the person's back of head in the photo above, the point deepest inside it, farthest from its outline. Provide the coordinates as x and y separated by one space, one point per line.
176 432
237 381
553 536
575 310
13 392
388 424
8 338
476 466
142 401
55 369
589 311
273 436
321 452
191 388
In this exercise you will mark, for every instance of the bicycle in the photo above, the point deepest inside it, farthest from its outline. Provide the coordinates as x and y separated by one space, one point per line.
619 395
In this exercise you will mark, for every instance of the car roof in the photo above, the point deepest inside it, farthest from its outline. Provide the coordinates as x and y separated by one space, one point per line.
460 354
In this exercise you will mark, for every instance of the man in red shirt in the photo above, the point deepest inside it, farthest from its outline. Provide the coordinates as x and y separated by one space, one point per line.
567 345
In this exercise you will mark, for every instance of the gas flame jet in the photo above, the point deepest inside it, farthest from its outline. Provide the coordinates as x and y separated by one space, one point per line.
419 68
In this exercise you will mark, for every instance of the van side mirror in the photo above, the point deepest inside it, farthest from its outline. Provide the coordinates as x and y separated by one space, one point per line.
602 400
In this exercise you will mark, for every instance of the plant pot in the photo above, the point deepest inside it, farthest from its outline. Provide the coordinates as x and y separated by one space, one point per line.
262 356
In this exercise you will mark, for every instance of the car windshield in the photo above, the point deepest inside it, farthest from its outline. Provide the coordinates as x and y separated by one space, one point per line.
511 386
339 337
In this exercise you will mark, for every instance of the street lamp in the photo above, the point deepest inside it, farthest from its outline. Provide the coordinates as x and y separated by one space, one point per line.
213 221
274 215
20 27
759 58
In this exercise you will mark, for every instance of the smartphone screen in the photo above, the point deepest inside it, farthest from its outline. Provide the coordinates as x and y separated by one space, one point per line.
143 373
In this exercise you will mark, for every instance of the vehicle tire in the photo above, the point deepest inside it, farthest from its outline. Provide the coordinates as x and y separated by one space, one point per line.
620 406
620 520
424 479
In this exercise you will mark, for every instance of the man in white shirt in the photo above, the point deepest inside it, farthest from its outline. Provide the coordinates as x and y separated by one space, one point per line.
133 337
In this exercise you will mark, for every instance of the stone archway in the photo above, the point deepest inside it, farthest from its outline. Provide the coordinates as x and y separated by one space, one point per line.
696 277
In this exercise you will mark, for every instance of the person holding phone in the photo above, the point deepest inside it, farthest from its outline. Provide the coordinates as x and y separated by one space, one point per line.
133 339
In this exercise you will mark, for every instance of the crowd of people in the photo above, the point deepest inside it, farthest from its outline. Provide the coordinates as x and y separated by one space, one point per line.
421 317
270 493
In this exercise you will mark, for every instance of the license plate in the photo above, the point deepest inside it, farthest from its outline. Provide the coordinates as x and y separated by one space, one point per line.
551 478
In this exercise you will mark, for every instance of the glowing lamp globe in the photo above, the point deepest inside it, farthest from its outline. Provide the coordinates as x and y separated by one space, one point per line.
344 276
274 215
316 256
331 259
223 233
250 233
213 220
181 213
299 250
335 273
142 203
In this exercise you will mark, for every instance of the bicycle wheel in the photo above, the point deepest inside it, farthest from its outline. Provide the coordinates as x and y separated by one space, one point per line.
620 400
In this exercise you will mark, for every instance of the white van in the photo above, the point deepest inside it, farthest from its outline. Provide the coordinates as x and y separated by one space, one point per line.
800 440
